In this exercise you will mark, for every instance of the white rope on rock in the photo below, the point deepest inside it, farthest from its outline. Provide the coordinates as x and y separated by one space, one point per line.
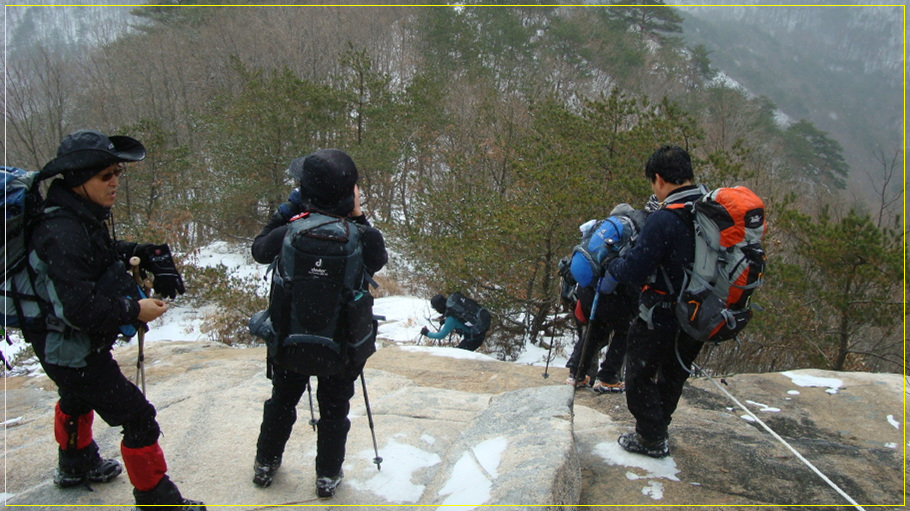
781 440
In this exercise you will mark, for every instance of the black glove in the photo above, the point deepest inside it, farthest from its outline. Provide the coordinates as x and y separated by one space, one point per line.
157 260
293 206
424 331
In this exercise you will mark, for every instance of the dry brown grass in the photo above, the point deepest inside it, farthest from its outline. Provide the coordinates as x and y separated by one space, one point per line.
388 286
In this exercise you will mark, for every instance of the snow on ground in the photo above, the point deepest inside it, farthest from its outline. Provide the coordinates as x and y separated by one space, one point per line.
238 260
649 469
806 380
439 351
394 482
469 483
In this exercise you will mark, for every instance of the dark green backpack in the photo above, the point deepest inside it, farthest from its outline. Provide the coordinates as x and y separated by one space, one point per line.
469 312
320 315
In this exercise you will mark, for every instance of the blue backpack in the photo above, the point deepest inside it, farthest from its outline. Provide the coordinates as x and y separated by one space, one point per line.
22 204
600 243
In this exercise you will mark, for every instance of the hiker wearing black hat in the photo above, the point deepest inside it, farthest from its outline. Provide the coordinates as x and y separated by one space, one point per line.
327 191
658 352
462 315
81 273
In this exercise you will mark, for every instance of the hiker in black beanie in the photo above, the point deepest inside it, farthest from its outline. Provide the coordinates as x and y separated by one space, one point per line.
81 274
327 186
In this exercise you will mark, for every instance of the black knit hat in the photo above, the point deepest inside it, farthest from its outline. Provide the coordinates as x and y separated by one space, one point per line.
438 303
327 178
84 153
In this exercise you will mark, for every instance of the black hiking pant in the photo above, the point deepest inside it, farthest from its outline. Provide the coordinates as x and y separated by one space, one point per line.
279 414
654 375
602 335
102 387
471 342
610 327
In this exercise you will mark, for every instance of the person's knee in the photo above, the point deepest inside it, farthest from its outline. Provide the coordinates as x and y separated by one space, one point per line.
331 426
142 429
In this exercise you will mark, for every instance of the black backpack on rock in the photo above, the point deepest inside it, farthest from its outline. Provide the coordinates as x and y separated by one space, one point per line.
475 318
320 315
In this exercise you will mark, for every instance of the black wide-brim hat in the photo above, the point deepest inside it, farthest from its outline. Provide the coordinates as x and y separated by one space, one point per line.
91 150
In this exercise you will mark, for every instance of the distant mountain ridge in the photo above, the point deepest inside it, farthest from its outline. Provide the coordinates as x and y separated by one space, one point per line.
840 67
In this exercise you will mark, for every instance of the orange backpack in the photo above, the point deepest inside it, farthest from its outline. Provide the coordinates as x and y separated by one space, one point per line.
714 303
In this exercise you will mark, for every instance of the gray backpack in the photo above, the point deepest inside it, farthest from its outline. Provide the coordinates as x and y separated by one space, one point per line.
715 303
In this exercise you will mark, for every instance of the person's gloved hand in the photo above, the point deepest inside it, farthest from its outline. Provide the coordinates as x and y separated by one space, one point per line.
157 260
293 207
607 284
424 331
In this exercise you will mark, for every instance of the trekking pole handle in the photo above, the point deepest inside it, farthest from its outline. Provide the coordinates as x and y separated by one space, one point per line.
134 268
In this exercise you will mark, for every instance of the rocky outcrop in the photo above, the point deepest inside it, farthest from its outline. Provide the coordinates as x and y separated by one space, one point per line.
457 428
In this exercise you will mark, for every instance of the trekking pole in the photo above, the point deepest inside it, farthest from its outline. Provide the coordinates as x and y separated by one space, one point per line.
140 359
552 337
6 363
587 341
377 460
309 389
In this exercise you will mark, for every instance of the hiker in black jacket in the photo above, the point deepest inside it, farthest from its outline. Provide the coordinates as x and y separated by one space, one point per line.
664 249
82 276
328 184
462 315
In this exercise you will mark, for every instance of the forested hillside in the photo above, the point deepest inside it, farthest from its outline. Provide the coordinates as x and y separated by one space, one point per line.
484 137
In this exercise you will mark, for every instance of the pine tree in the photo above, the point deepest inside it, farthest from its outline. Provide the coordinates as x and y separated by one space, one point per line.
816 157
846 274
648 17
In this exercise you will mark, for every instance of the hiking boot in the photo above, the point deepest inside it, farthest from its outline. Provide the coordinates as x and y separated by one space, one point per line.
263 473
606 388
104 471
325 486
578 384
634 443
182 505
165 497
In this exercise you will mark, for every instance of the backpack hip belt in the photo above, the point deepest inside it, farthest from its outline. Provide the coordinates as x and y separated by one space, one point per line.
653 299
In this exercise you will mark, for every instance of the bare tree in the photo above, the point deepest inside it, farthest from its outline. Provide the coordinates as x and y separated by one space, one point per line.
887 181
40 87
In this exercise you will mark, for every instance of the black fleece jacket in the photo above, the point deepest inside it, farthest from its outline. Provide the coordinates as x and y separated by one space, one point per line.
667 241
85 264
